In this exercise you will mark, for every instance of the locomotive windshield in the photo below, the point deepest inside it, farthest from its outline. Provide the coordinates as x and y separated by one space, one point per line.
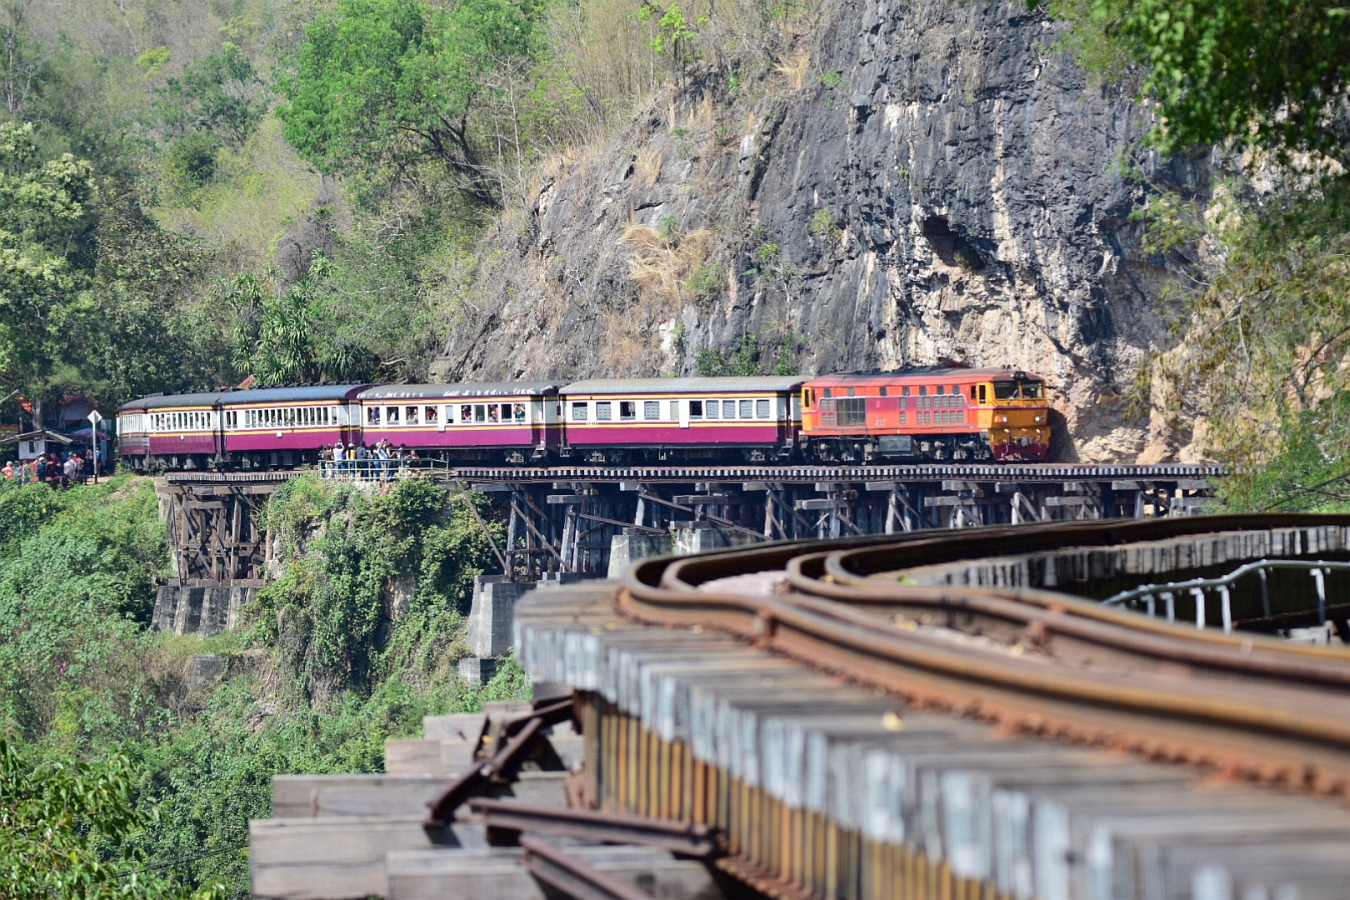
1019 390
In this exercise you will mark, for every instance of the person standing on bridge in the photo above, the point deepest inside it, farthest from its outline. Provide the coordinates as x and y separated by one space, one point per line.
339 459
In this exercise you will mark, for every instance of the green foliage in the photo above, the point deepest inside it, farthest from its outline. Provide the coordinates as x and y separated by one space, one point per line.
743 362
704 281
347 554
325 672
823 226
74 584
768 254
295 337
1267 74
792 344
832 79
57 822
219 95
385 83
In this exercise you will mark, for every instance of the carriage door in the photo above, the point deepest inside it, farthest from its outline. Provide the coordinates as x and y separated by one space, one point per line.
684 412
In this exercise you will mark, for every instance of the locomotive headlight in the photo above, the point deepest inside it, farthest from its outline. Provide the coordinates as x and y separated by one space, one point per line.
1001 419
1040 418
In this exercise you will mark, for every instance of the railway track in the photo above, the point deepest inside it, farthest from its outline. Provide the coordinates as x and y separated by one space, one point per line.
858 733
1030 473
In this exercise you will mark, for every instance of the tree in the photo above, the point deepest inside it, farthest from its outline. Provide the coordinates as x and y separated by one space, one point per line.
383 84
45 217
53 819
294 337
1270 74
221 94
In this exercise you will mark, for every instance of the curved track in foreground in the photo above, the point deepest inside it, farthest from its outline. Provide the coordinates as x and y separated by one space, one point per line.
1033 661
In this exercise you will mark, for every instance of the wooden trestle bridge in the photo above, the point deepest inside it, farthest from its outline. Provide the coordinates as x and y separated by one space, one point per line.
567 523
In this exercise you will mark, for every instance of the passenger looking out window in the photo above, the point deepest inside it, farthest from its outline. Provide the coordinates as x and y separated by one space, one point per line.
518 413
465 414
392 415
410 415
494 412
431 415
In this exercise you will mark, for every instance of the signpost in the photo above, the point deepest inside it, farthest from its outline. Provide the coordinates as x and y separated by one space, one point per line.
94 419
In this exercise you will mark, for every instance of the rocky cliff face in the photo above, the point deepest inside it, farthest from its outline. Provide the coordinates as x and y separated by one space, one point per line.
917 183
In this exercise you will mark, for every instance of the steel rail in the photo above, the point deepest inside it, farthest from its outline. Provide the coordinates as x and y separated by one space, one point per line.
574 877
845 638
687 839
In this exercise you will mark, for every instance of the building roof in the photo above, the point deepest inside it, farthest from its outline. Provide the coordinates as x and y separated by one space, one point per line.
683 385
443 391
307 393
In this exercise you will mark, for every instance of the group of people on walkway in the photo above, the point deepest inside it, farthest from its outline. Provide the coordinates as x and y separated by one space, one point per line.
56 469
356 460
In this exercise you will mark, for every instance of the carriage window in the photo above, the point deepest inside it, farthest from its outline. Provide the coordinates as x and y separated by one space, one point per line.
431 415
982 395
578 412
1005 390
714 409
904 392
954 390
465 414
410 415
883 390
494 412
518 412
829 392
627 410
604 411
972 393
728 409
851 392
1033 390
651 410
923 390
940 389
479 412
695 409
747 409
762 409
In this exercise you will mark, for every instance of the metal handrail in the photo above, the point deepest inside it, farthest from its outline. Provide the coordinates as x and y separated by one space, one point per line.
1196 587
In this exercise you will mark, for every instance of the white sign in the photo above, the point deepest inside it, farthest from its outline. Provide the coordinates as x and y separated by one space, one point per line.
95 417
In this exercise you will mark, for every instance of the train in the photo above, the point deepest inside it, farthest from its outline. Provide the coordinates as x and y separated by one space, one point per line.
916 415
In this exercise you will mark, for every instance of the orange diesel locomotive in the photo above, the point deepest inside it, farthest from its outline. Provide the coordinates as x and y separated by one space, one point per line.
938 414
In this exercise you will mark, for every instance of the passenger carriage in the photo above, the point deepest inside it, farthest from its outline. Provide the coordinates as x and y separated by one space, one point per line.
175 431
672 419
288 426
512 421
967 415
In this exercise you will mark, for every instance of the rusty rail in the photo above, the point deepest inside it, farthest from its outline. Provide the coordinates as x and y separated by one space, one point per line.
521 732
687 839
572 876
1243 703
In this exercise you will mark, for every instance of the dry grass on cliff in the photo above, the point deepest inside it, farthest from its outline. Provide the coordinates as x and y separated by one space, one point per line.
794 67
648 165
660 262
